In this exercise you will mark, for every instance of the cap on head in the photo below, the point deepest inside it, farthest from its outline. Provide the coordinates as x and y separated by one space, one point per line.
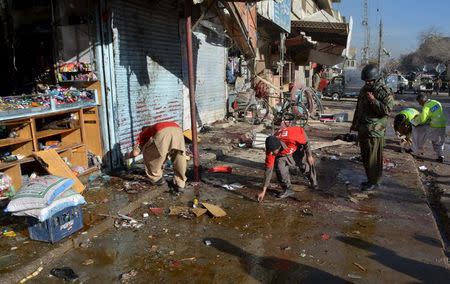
369 72
272 143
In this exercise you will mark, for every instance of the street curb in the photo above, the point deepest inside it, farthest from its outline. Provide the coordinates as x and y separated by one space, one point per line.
48 257
435 224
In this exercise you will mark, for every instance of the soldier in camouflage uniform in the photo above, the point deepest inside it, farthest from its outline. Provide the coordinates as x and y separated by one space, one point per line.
375 102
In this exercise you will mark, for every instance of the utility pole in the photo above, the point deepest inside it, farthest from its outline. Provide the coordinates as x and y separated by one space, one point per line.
365 24
380 44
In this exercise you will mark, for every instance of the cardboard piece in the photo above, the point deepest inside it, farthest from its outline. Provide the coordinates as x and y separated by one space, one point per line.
54 165
199 211
178 210
215 210
188 135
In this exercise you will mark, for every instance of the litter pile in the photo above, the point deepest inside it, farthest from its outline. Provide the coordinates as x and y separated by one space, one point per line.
196 210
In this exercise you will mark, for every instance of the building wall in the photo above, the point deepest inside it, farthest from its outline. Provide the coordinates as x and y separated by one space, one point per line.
147 64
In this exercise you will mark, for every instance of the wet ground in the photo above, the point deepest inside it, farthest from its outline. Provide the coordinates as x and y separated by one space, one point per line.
332 235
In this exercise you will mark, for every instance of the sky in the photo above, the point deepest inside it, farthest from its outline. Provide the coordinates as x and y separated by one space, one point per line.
403 21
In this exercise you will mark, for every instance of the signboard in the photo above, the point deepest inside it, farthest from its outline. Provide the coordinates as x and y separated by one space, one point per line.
282 14
277 11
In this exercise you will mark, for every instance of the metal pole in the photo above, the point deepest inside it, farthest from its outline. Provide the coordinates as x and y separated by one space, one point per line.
188 12
380 45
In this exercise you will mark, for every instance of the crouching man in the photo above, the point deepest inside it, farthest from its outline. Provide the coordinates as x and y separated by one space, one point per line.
288 147
157 143
403 127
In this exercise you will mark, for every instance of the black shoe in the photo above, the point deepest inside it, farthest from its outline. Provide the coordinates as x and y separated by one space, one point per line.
365 183
409 151
440 159
159 182
287 193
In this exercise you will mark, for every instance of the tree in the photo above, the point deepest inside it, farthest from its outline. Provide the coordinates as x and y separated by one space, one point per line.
434 48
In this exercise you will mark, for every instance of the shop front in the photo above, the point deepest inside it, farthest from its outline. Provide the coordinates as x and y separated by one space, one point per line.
51 92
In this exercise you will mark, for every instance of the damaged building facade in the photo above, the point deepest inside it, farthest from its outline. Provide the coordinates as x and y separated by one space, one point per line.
137 54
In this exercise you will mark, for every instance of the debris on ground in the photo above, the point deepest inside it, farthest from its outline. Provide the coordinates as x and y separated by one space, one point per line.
303 254
87 262
207 242
199 211
127 276
306 212
215 210
233 186
32 275
325 237
359 266
354 200
156 210
10 234
354 276
423 168
181 211
349 137
221 169
388 165
123 221
356 159
285 247
65 273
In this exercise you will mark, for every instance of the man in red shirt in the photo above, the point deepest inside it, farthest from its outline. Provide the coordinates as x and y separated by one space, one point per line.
157 143
288 147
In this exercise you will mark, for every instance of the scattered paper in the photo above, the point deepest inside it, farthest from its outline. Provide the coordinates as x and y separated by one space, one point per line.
423 168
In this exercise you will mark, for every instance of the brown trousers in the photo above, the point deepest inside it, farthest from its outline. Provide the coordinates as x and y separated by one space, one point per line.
166 142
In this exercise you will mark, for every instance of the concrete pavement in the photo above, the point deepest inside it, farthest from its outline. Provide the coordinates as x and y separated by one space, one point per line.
329 236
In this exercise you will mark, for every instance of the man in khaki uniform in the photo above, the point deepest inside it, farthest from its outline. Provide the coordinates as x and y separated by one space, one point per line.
157 143
375 102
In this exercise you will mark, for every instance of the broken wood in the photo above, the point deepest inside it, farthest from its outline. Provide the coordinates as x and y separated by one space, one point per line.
215 210
54 165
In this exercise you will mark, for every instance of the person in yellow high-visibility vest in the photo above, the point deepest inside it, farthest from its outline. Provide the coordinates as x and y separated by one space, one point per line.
430 124
403 127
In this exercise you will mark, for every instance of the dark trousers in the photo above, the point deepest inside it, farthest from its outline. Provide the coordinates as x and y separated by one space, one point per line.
283 163
372 157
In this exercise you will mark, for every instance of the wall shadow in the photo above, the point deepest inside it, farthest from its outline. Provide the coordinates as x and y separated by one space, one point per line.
424 272
269 269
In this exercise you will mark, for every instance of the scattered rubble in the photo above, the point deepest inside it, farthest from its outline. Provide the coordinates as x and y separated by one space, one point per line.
127 276
32 275
232 186
64 273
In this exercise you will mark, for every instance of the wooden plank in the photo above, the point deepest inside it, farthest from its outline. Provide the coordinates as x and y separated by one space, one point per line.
12 141
91 126
53 132
54 165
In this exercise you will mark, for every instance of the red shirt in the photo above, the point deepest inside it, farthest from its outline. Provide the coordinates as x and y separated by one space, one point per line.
292 137
148 132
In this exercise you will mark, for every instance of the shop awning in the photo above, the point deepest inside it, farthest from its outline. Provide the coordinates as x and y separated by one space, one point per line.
323 27
321 38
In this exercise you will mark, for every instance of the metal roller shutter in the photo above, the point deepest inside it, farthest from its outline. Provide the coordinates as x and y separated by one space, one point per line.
147 64
210 76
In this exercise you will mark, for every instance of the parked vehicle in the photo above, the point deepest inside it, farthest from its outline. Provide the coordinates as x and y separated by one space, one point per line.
344 86
397 83
423 83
